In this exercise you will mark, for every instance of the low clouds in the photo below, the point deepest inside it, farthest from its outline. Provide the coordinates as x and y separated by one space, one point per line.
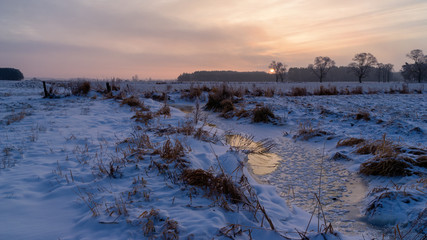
161 39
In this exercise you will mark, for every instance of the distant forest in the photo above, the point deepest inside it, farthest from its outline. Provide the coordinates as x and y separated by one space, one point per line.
336 74
10 74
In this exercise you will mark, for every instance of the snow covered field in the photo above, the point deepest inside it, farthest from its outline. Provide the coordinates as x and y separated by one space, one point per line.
81 167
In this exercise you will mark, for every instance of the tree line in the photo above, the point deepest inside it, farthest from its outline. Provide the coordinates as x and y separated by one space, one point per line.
363 65
10 74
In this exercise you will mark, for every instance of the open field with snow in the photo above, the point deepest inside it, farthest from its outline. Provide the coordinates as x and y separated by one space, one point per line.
213 161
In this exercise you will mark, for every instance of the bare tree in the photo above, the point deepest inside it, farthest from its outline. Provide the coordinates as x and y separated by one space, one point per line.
362 64
279 70
384 72
321 66
418 69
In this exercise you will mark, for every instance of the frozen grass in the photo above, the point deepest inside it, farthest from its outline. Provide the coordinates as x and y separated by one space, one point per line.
262 114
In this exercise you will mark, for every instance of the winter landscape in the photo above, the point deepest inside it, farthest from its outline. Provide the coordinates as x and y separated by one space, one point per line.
202 161
213 119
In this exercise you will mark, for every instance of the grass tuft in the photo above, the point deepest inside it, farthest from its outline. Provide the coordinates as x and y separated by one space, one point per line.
263 114
217 186
350 142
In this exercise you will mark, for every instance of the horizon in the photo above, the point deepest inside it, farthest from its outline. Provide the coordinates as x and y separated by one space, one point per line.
163 39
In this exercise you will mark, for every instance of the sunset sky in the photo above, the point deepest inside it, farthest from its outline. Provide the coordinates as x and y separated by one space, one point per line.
164 38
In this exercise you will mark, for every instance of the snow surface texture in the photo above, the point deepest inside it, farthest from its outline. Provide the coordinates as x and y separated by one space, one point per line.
71 171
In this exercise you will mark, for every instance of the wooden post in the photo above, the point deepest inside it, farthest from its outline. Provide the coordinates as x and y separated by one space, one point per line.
108 87
46 94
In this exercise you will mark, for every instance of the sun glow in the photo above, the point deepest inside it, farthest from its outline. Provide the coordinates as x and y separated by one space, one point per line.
271 71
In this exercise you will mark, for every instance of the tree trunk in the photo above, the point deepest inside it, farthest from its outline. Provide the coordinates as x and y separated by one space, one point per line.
360 79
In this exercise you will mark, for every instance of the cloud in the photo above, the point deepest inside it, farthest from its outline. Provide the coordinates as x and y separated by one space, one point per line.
136 36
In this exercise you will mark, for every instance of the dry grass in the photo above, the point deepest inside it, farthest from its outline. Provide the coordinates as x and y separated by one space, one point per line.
242 113
80 88
172 152
133 101
187 128
388 166
350 142
362 115
16 117
143 117
262 114
164 110
219 98
381 148
298 91
306 132
216 186
357 90
332 90
421 161
192 93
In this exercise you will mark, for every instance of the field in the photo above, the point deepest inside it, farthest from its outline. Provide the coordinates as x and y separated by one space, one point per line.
212 161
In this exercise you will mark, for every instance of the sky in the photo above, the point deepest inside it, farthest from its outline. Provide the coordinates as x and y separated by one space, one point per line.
161 39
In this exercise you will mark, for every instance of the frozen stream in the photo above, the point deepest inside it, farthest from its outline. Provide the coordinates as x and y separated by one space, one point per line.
296 178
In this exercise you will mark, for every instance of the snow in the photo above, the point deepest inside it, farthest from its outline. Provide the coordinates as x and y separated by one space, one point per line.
55 179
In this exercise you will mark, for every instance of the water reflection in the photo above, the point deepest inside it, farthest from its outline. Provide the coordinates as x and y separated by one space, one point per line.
260 160
297 179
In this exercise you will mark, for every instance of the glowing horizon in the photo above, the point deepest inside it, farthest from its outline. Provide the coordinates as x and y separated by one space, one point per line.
162 39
